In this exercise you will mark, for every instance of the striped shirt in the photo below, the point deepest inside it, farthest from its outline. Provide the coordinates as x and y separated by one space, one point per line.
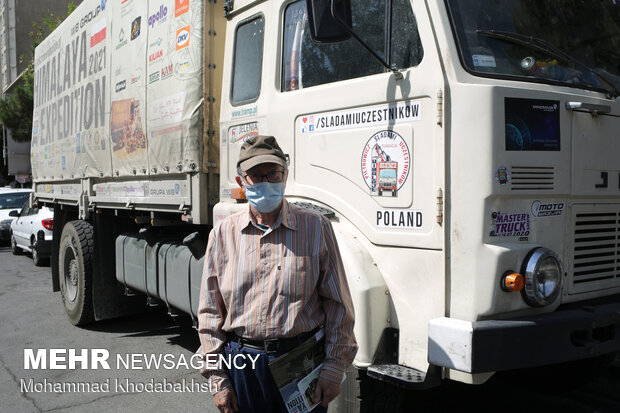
277 283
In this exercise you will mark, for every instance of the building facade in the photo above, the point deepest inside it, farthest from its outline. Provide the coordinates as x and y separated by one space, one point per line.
16 19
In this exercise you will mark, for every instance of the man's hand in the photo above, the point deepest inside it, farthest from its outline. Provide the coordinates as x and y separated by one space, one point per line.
226 401
326 391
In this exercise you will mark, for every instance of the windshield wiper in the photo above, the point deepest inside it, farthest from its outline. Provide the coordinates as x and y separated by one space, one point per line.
544 46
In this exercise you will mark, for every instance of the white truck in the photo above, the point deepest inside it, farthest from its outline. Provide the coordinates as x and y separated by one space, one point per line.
499 249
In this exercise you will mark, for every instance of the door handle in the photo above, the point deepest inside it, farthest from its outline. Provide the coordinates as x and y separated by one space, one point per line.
594 109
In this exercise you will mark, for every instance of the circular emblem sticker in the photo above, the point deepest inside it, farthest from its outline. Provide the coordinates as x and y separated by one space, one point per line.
385 163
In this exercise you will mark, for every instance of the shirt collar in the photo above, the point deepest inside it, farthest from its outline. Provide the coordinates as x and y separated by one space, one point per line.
285 218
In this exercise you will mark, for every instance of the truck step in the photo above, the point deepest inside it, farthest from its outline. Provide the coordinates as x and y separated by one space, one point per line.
405 377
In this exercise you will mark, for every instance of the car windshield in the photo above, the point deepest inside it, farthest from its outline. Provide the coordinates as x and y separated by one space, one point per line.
13 200
388 173
571 42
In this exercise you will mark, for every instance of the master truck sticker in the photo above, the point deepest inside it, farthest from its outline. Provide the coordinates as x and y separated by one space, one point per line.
510 224
385 163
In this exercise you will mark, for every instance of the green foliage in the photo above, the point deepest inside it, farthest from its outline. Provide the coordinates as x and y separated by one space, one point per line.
16 108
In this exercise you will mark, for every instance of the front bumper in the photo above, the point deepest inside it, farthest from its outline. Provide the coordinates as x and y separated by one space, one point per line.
494 345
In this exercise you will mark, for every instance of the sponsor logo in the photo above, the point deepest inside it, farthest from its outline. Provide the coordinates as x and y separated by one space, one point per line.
126 7
156 42
103 3
134 79
502 175
154 56
121 85
135 28
385 163
546 108
154 77
159 17
483 60
98 32
122 41
510 225
92 14
238 134
183 37
166 72
181 68
180 7
547 209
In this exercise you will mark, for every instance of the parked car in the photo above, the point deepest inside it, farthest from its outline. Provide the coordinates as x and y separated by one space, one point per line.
10 200
31 231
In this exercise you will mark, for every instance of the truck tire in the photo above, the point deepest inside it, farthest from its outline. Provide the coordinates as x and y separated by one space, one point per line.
14 248
362 394
75 264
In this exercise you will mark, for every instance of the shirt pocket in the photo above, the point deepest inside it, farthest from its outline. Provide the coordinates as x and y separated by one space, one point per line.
299 276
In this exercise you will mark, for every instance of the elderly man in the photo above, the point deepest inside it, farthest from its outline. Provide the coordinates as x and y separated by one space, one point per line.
272 278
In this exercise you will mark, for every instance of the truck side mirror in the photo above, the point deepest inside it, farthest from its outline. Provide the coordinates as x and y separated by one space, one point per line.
14 213
324 28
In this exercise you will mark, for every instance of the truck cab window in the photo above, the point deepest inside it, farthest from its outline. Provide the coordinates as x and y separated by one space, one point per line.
307 63
248 58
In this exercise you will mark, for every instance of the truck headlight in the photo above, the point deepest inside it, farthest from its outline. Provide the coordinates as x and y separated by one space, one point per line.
543 277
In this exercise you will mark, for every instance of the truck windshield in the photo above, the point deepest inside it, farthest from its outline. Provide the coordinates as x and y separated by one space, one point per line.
388 173
568 42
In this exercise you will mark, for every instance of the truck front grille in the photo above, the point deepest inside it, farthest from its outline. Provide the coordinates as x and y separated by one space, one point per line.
595 251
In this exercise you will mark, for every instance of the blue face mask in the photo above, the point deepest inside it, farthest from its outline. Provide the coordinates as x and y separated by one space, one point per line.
265 196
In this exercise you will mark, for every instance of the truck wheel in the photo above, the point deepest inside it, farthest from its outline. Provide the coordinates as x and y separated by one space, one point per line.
14 248
380 192
362 394
75 264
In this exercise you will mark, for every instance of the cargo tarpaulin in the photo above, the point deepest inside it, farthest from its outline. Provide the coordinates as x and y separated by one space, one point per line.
118 91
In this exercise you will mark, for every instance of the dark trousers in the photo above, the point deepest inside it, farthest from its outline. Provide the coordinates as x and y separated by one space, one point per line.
255 389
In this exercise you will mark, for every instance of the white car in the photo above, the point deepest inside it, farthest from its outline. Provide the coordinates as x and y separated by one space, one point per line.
32 232
10 200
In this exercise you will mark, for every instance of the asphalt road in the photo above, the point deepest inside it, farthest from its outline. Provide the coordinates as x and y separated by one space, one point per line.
31 316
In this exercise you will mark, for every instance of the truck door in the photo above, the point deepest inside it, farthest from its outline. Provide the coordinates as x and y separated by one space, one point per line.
366 141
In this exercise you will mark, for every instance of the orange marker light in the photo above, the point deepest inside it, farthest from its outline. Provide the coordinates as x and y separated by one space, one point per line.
511 281
237 193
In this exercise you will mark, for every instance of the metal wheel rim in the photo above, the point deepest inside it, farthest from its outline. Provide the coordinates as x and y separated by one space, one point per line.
71 272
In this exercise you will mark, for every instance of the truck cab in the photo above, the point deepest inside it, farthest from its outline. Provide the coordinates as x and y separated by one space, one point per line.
491 124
